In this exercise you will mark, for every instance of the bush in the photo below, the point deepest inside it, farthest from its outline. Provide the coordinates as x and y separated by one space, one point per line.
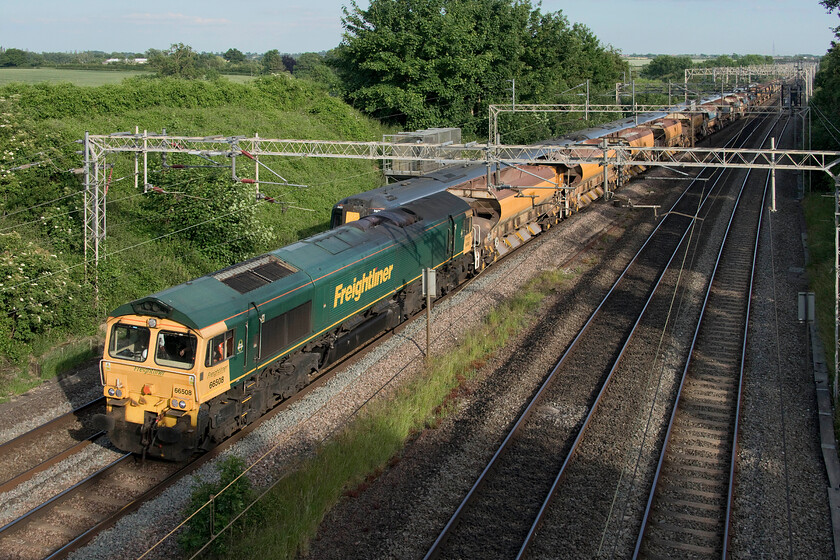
36 294
224 507
216 215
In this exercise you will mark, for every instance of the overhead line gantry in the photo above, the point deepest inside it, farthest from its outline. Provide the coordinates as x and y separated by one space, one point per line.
98 147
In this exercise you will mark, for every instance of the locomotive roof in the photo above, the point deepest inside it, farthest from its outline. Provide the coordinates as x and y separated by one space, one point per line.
226 293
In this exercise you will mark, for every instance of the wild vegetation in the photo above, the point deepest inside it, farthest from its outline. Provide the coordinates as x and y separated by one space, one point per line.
819 208
197 220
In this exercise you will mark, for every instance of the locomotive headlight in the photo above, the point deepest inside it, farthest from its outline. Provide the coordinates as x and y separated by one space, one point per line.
111 392
152 322
119 393
174 403
182 404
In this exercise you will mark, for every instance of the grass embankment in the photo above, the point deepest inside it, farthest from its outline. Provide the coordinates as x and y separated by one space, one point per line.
819 219
154 240
287 518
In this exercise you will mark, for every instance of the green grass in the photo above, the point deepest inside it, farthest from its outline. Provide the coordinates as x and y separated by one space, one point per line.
819 218
288 516
637 62
75 77
83 77
48 363
68 356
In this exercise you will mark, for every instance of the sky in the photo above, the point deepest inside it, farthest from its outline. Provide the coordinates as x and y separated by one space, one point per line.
782 27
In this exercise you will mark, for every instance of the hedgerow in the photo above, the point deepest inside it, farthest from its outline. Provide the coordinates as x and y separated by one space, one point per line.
193 222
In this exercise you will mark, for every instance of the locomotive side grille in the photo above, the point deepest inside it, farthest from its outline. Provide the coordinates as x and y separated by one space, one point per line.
283 330
255 273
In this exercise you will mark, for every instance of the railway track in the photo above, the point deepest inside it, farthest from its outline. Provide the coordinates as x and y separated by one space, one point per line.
631 423
690 501
50 443
53 528
38 529
499 515
71 518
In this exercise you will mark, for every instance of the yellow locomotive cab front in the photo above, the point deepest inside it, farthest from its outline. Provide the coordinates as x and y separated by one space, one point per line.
149 371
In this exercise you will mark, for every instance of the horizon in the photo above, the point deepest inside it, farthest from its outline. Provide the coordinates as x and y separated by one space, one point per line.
251 53
673 27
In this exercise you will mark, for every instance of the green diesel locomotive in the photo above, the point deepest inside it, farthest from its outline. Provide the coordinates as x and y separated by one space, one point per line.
188 366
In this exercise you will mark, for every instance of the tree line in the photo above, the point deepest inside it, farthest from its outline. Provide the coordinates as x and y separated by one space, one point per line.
200 64
668 67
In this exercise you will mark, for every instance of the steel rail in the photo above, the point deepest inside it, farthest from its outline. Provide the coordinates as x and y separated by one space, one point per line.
64 418
593 409
27 438
47 463
436 547
87 481
734 460
670 428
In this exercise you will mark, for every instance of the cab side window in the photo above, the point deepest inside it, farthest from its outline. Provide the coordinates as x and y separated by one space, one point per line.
220 349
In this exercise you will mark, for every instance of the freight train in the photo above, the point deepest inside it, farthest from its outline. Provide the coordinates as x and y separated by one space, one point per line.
186 367
678 128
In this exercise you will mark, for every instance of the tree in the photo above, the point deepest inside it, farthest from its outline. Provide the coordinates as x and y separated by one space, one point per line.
832 5
272 62
667 66
441 62
179 61
234 56
315 67
723 60
17 58
826 100
289 62
752 59
215 214
210 65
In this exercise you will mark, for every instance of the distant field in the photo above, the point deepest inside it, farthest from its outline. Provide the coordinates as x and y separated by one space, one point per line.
637 62
79 77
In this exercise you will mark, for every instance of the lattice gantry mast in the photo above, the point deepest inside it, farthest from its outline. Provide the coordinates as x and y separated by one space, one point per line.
95 222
